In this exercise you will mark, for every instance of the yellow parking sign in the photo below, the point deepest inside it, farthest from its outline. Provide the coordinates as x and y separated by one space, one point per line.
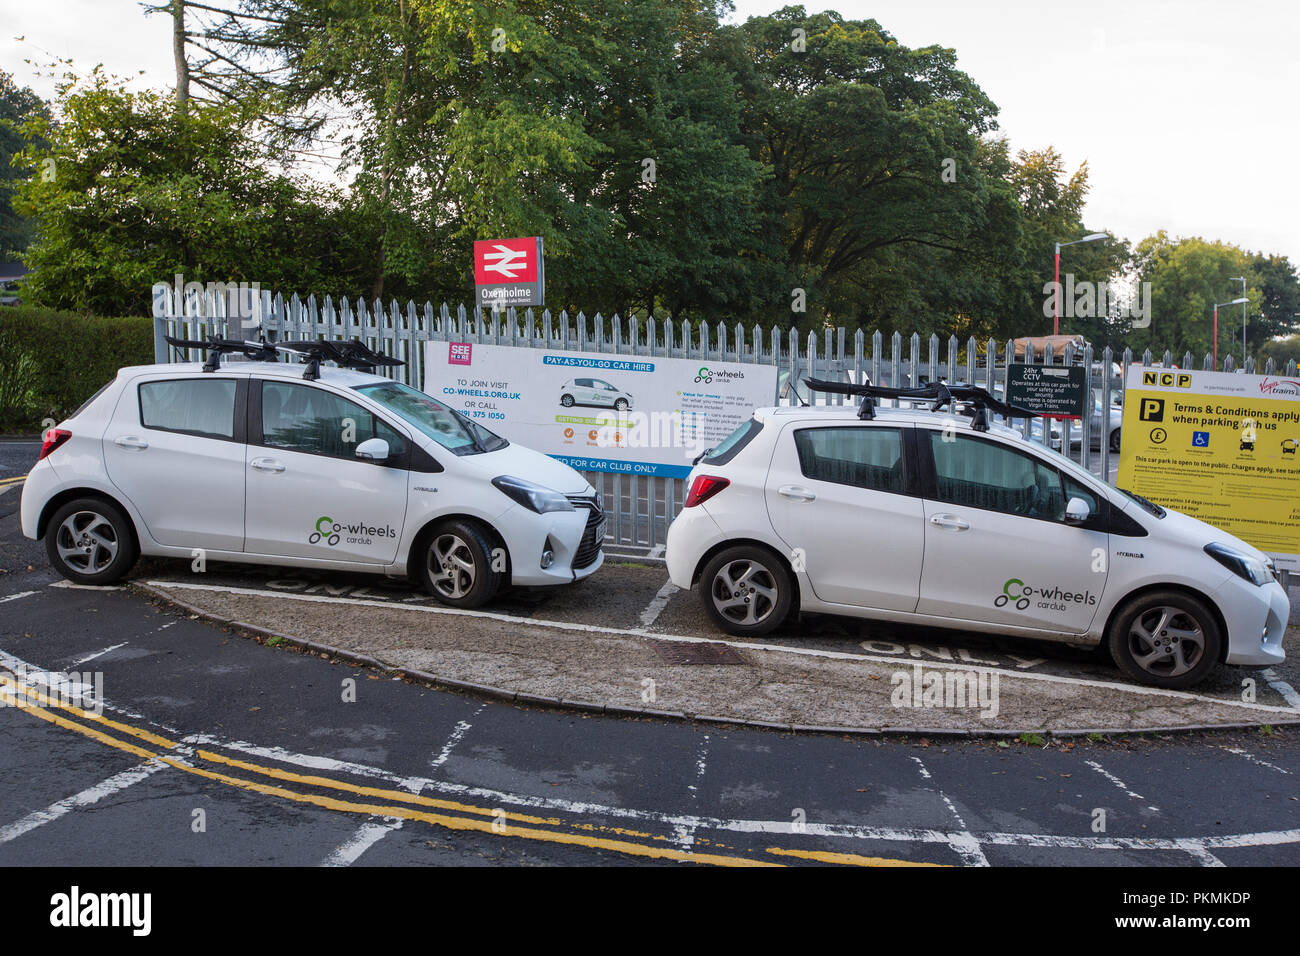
1221 447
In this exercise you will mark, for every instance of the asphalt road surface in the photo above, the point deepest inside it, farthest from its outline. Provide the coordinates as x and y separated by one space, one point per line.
214 749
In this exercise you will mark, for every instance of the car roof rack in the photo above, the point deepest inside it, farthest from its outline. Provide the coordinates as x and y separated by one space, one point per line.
353 354
260 351
970 400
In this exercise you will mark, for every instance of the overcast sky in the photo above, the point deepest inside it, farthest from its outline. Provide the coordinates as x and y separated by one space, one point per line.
1186 110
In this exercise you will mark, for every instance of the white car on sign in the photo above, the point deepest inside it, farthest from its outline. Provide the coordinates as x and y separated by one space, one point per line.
256 462
918 518
594 391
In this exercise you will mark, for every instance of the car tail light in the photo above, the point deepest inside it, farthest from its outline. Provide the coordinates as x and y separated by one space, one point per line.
703 488
53 439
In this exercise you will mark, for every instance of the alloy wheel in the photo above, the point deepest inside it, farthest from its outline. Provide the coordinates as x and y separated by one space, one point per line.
87 542
744 592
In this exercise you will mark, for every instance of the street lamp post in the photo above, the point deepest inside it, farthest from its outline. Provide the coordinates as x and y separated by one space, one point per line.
1242 280
1240 301
1056 277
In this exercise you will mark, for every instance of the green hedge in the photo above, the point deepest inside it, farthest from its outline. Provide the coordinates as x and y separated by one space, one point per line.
52 361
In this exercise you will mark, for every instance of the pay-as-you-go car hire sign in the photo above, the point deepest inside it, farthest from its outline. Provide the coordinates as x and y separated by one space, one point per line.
509 272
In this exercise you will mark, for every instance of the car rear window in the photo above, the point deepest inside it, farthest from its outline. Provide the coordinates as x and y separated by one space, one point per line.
204 407
733 443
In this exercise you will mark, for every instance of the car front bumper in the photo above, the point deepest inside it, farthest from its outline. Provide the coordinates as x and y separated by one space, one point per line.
1256 618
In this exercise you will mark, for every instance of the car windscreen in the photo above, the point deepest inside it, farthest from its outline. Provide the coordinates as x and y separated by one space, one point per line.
448 427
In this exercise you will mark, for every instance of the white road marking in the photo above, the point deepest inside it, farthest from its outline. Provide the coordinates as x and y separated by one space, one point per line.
91 657
744 645
15 597
367 835
73 586
964 843
370 833
105 788
658 603
1117 782
1282 687
685 836
1198 847
1253 759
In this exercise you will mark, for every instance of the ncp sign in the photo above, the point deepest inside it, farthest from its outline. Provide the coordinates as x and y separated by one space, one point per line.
509 272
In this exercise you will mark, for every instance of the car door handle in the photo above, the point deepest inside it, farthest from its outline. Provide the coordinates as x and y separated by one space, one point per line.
266 464
795 493
130 441
949 522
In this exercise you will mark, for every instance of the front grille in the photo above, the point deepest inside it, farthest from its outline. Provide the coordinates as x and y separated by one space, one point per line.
593 536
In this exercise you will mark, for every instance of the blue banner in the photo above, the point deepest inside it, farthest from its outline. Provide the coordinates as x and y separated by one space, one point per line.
641 468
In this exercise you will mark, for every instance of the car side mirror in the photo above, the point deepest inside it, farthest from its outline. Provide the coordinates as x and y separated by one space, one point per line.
1076 511
373 449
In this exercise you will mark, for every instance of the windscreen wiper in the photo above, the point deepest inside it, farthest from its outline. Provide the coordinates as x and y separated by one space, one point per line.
260 351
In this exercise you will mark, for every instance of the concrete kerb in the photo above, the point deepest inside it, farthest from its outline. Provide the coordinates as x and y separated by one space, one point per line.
617 710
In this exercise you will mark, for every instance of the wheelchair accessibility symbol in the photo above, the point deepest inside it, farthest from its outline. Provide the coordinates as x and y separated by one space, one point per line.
1200 439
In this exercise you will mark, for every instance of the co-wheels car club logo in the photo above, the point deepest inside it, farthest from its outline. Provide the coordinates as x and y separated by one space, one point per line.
331 532
1053 599
706 375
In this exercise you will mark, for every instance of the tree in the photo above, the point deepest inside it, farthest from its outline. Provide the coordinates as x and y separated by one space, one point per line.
1188 276
140 191
473 120
17 106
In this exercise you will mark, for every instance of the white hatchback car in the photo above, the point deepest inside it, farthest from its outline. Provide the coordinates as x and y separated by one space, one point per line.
594 391
916 517
258 462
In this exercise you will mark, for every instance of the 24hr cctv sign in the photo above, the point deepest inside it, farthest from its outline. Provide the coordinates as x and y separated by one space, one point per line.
509 272
624 414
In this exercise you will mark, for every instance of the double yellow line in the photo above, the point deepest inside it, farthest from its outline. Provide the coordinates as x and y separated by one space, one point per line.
409 806
450 814
17 480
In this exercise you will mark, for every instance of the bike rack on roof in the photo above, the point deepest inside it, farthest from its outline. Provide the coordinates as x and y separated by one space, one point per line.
353 354
260 351
969 400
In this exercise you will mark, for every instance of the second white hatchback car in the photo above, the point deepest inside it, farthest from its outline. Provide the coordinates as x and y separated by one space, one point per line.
919 517
302 465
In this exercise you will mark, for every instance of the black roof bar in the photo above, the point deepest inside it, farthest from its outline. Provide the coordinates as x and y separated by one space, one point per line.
352 354
965 399
262 351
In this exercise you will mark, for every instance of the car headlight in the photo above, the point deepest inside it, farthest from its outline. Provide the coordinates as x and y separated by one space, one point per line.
1243 565
532 496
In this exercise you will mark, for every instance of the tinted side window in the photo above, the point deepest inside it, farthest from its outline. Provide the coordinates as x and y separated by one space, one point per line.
311 420
863 457
983 474
201 406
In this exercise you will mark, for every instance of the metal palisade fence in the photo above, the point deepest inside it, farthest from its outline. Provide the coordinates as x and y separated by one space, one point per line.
640 507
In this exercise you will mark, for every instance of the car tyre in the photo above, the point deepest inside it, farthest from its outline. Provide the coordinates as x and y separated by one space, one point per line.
1150 635
457 563
91 541
1114 440
566 401
620 404
747 590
